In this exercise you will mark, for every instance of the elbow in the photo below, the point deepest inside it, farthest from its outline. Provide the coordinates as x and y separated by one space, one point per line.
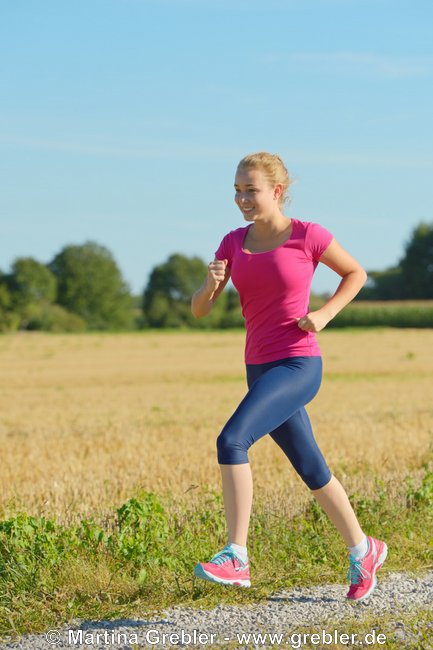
194 307
198 314
360 273
193 312
361 278
357 277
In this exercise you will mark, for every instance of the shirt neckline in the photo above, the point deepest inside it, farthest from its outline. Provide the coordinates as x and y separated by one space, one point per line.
271 250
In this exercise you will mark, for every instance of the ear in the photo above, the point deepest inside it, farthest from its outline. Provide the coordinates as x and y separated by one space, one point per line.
278 190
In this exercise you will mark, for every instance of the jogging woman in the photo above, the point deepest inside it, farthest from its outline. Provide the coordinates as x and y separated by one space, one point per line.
271 262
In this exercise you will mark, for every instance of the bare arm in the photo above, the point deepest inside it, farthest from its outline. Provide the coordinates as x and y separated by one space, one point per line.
353 279
204 298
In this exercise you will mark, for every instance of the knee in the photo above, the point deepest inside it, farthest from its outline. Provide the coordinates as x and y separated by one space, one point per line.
231 448
315 476
318 482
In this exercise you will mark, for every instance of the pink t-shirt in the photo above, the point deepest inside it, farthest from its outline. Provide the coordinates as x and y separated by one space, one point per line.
274 289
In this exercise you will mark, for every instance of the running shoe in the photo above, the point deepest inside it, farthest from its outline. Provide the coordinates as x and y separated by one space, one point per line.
362 572
226 568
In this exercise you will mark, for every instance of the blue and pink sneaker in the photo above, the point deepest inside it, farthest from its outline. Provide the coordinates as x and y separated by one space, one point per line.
226 568
362 572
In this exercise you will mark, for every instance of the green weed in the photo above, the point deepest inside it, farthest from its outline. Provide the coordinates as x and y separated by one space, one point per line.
143 560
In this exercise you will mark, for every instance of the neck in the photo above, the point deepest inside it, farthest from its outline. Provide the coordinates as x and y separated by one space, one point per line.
271 226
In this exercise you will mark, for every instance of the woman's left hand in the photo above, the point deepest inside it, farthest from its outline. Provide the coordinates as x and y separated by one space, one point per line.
314 321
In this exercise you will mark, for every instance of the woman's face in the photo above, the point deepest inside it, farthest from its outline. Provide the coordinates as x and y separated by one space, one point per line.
254 195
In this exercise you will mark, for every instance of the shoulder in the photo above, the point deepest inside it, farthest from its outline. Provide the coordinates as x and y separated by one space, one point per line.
237 232
312 229
229 244
316 238
308 226
234 235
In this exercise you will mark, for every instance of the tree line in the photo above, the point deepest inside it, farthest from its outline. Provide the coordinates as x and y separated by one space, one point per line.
82 288
412 277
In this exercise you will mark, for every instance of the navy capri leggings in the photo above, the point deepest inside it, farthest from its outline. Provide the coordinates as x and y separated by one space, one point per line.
274 404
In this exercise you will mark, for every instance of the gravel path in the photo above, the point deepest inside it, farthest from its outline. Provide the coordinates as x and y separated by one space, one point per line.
323 607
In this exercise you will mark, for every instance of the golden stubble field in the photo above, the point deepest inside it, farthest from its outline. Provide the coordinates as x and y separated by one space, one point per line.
89 420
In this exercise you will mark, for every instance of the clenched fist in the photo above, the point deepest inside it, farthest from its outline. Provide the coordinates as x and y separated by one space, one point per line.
314 321
216 273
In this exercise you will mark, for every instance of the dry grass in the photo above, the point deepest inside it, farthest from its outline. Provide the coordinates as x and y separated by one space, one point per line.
86 420
392 303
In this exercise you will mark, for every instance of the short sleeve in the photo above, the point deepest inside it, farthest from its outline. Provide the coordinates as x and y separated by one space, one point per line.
223 251
317 240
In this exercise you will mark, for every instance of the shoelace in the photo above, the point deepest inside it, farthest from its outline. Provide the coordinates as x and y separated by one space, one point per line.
357 572
223 556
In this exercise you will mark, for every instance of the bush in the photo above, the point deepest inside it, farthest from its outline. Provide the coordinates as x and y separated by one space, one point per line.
9 320
384 314
52 318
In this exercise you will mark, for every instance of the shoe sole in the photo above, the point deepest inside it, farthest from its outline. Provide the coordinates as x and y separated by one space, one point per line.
199 572
381 560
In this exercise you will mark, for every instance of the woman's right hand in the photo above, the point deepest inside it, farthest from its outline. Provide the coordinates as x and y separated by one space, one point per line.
216 273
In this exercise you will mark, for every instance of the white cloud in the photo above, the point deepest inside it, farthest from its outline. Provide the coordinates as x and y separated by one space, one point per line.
189 151
175 151
391 67
365 159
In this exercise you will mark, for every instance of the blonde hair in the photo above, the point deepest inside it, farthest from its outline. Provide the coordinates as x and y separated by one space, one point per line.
273 168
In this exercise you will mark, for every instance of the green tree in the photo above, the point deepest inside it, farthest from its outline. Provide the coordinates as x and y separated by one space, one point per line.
90 284
167 297
417 263
31 282
382 285
9 320
233 313
411 278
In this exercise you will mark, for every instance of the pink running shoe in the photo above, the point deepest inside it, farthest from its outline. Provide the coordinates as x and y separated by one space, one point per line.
362 572
226 568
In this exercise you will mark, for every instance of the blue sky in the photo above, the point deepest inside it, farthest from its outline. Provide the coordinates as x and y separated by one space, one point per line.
122 122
